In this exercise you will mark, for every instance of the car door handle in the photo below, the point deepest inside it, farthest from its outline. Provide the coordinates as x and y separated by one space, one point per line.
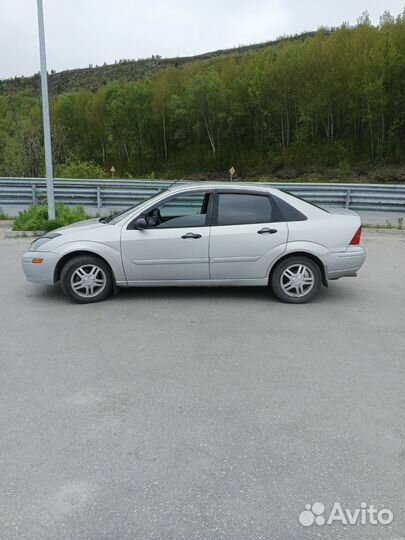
266 230
191 235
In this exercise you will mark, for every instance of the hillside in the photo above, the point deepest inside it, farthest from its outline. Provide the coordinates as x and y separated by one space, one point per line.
328 104
92 78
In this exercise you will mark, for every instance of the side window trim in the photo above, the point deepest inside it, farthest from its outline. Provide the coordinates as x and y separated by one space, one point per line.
208 217
277 218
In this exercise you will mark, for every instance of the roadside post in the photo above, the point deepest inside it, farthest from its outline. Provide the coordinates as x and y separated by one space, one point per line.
45 113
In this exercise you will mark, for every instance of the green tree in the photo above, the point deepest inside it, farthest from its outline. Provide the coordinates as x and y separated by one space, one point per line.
205 102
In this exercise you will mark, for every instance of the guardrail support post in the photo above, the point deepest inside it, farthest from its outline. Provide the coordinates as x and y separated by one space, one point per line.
348 194
34 195
99 200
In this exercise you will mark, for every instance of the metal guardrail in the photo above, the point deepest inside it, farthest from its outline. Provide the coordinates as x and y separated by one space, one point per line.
22 192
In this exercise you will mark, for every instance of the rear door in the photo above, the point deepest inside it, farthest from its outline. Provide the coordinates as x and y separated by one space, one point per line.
247 234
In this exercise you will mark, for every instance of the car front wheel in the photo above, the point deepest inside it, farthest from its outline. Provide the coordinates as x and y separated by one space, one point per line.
86 279
296 280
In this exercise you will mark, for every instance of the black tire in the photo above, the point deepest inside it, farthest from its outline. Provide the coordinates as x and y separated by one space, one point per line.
103 280
305 288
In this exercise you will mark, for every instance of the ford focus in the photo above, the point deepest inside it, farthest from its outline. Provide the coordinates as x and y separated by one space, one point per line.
214 235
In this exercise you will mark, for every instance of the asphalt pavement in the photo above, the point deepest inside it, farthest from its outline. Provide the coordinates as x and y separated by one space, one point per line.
202 414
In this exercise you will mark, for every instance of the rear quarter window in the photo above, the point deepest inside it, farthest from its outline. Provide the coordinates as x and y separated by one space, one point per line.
289 212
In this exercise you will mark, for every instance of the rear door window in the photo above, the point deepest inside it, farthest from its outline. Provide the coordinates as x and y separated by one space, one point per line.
241 208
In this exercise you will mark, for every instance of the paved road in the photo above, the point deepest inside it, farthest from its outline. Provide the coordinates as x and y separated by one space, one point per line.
202 414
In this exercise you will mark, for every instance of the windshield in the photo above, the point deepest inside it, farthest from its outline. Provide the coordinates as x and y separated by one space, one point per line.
117 216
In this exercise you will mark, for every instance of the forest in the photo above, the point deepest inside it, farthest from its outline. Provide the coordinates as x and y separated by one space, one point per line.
333 99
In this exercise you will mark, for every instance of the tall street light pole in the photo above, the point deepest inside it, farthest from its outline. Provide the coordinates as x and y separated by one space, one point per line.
45 113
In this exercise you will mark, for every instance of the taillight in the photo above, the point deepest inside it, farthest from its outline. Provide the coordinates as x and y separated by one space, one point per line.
356 238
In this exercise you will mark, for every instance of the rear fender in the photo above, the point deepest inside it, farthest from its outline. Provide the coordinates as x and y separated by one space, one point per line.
313 250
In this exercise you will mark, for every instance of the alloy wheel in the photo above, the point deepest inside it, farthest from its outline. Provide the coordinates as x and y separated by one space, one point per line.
297 280
88 280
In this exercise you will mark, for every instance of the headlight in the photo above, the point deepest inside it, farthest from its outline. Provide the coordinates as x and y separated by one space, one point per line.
42 239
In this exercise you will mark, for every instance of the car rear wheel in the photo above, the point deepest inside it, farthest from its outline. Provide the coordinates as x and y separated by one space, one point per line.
296 280
86 279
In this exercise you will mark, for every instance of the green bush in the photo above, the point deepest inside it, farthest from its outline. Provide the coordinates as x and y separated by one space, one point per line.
3 215
35 218
80 169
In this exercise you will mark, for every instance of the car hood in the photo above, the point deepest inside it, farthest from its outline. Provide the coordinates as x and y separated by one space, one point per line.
84 225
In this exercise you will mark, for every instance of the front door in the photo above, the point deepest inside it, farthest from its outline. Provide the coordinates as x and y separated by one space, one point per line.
174 246
247 234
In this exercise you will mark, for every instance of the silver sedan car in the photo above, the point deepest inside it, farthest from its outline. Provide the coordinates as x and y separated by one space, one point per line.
203 235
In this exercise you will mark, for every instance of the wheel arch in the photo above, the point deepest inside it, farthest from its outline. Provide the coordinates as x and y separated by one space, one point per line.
306 254
71 255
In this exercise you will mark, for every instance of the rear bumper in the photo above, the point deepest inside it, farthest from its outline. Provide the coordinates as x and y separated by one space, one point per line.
344 263
40 273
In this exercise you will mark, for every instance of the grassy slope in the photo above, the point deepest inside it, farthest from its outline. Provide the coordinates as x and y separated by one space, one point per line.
92 78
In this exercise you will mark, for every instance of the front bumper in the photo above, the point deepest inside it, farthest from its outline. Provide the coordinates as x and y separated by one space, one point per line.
345 263
40 273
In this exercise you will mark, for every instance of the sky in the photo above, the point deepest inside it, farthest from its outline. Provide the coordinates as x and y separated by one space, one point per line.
83 32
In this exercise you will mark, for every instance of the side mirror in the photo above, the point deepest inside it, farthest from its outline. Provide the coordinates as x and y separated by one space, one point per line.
140 223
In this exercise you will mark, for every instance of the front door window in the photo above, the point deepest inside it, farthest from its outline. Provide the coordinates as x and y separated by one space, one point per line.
180 212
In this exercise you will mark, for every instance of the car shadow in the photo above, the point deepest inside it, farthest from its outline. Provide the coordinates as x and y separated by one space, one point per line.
52 293
244 294
333 294
195 293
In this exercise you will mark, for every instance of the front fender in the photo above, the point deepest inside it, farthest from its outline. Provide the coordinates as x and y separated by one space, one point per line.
112 254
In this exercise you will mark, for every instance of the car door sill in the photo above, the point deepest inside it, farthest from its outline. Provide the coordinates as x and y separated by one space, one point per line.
196 283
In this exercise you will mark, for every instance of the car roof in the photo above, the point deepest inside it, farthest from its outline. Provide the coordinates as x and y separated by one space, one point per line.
220 185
